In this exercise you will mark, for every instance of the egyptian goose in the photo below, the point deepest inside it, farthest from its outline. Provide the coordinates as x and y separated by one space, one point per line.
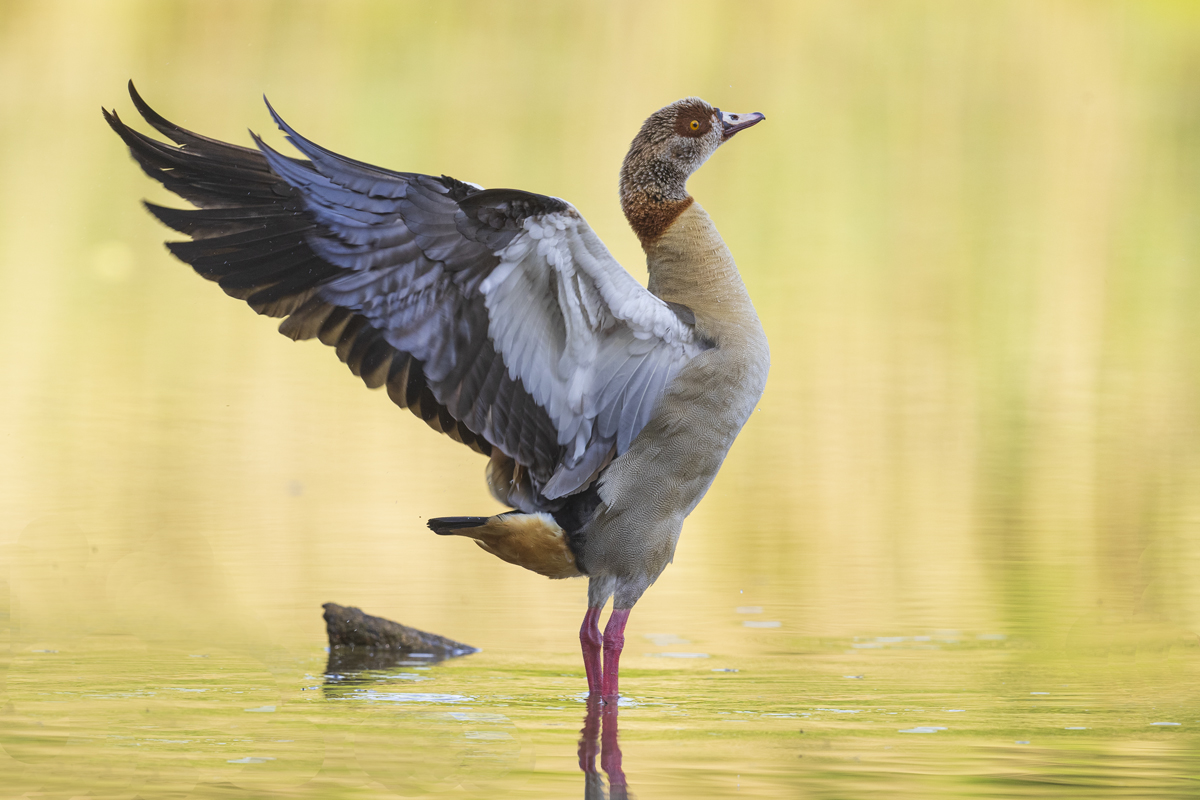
497 316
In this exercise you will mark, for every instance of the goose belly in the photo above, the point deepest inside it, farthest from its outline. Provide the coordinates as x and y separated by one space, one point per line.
648 491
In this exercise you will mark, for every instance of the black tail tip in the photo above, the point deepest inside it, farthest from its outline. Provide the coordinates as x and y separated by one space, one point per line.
445 526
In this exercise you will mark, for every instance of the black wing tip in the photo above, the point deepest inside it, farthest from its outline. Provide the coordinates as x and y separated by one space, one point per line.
149 114
308 148
172 218
155 210
296 139
127 134
156 120
446 526
283 126
112 119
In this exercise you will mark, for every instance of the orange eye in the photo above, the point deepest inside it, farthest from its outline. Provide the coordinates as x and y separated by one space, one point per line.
694 125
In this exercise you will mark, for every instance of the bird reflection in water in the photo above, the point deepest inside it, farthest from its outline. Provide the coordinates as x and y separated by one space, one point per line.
599 737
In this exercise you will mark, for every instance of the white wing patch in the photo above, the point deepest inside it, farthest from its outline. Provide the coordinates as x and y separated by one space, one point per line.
591 345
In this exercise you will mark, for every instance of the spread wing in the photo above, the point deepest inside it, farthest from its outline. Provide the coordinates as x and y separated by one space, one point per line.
497 316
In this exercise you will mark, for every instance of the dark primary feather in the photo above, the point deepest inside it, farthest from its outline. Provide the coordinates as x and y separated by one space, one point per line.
308 240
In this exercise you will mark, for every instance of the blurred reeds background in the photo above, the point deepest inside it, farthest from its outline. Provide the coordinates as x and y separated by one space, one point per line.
972 230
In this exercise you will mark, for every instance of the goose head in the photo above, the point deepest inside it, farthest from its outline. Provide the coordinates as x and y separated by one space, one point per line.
672 144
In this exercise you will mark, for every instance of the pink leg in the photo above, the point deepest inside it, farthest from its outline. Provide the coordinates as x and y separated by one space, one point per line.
589 639
614 642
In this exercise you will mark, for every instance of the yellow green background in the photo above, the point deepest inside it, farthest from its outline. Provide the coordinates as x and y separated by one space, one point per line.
972 231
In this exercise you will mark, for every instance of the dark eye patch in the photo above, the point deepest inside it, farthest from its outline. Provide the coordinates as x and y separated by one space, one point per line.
683 124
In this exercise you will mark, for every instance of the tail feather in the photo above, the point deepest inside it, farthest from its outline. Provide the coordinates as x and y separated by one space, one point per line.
533 541
448 526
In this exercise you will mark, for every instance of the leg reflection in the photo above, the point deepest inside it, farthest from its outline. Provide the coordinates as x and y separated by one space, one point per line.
610 753
599 736
589 746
